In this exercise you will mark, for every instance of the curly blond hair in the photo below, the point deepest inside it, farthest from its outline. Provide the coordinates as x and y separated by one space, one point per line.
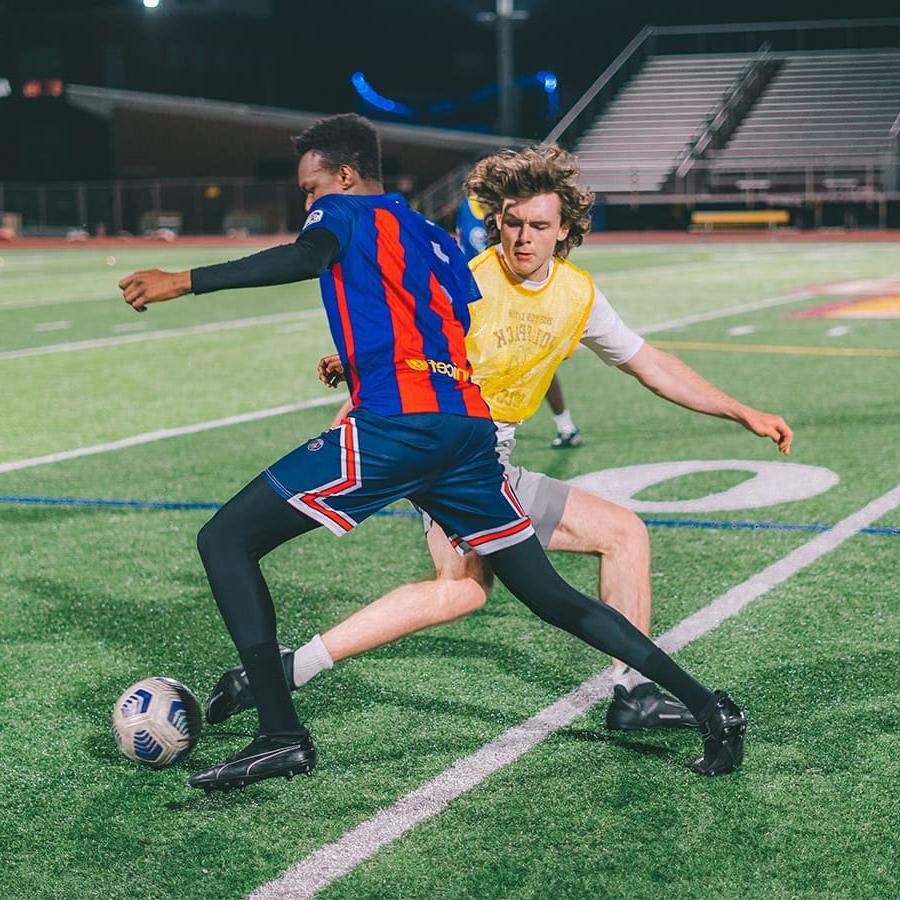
520 174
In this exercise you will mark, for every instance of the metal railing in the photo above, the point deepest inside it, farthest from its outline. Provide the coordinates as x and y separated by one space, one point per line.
203 206
721 122
892 163
861 177
576 120
439 201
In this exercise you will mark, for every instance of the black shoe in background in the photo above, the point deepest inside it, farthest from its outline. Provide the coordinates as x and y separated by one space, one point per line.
646 706
232 693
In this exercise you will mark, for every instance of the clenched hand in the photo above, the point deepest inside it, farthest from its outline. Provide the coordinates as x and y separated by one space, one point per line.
331 372
153 286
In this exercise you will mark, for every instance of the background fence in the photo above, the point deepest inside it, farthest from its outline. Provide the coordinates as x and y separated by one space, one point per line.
203 206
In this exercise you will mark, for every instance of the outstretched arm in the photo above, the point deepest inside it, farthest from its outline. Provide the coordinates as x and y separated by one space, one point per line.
306 258
674 380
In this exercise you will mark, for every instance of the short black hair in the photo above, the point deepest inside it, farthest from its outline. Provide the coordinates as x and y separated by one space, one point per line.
346 139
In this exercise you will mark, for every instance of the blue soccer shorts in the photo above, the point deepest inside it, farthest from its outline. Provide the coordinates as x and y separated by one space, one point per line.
445 464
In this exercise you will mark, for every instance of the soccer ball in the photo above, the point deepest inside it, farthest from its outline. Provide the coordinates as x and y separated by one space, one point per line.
156 721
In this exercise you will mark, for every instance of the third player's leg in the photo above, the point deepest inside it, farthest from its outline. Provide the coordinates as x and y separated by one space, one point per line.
460 586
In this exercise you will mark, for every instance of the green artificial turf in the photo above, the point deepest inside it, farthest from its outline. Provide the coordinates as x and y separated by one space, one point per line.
92 599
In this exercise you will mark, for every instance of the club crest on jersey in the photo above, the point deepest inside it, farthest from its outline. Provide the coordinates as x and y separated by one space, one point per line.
315 216
315 444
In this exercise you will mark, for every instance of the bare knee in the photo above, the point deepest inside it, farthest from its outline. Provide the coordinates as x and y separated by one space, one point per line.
460 596
471 573
625 533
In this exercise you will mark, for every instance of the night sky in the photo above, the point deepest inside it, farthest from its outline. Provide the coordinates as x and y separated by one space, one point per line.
423 51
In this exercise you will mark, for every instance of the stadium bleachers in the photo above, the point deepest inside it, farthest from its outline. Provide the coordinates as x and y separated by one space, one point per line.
837 105
799 121
634 143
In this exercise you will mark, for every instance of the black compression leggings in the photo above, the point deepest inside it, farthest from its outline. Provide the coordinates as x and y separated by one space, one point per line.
253 523
525 570
256 521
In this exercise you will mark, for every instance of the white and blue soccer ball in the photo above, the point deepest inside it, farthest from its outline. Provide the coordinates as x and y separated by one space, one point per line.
156 721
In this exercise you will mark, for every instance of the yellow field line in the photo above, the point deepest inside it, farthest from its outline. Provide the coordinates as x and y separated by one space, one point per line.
773 348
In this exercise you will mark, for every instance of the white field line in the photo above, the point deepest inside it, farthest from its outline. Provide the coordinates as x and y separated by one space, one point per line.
57 301
205 328
674 268
783 300
150 436
275 318
262 414
324 866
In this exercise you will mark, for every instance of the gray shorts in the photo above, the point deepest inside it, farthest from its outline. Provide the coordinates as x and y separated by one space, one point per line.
542 497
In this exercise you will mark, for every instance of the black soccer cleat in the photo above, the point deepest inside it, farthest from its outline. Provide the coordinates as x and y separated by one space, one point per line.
646 707
723 737
233 694
268 756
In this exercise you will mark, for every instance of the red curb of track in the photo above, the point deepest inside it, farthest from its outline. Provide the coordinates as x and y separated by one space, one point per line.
738 236
604 237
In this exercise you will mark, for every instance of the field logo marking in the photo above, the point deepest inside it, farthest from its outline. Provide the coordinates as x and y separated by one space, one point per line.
324 866
773 483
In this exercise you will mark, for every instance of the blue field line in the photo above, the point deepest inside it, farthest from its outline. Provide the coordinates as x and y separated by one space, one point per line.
99 501
658 523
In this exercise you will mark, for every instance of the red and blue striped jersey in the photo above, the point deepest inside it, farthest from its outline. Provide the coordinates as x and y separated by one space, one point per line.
397 300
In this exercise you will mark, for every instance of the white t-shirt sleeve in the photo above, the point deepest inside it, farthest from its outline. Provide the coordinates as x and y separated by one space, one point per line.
607 335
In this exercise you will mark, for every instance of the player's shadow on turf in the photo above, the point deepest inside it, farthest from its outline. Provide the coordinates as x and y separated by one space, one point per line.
23 514
511 661
636 746
197 800
127 619
356 693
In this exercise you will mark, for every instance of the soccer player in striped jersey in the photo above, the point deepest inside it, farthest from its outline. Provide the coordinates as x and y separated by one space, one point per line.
396 290
535 310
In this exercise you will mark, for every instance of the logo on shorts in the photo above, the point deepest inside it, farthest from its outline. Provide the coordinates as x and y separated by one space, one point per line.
315 444
312 218
440 367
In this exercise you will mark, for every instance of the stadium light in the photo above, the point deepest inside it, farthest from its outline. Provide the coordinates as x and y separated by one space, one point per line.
151 4
505 16
371 96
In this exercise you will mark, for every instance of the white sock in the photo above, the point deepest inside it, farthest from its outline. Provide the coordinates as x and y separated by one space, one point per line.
564 423
310 659
626 676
